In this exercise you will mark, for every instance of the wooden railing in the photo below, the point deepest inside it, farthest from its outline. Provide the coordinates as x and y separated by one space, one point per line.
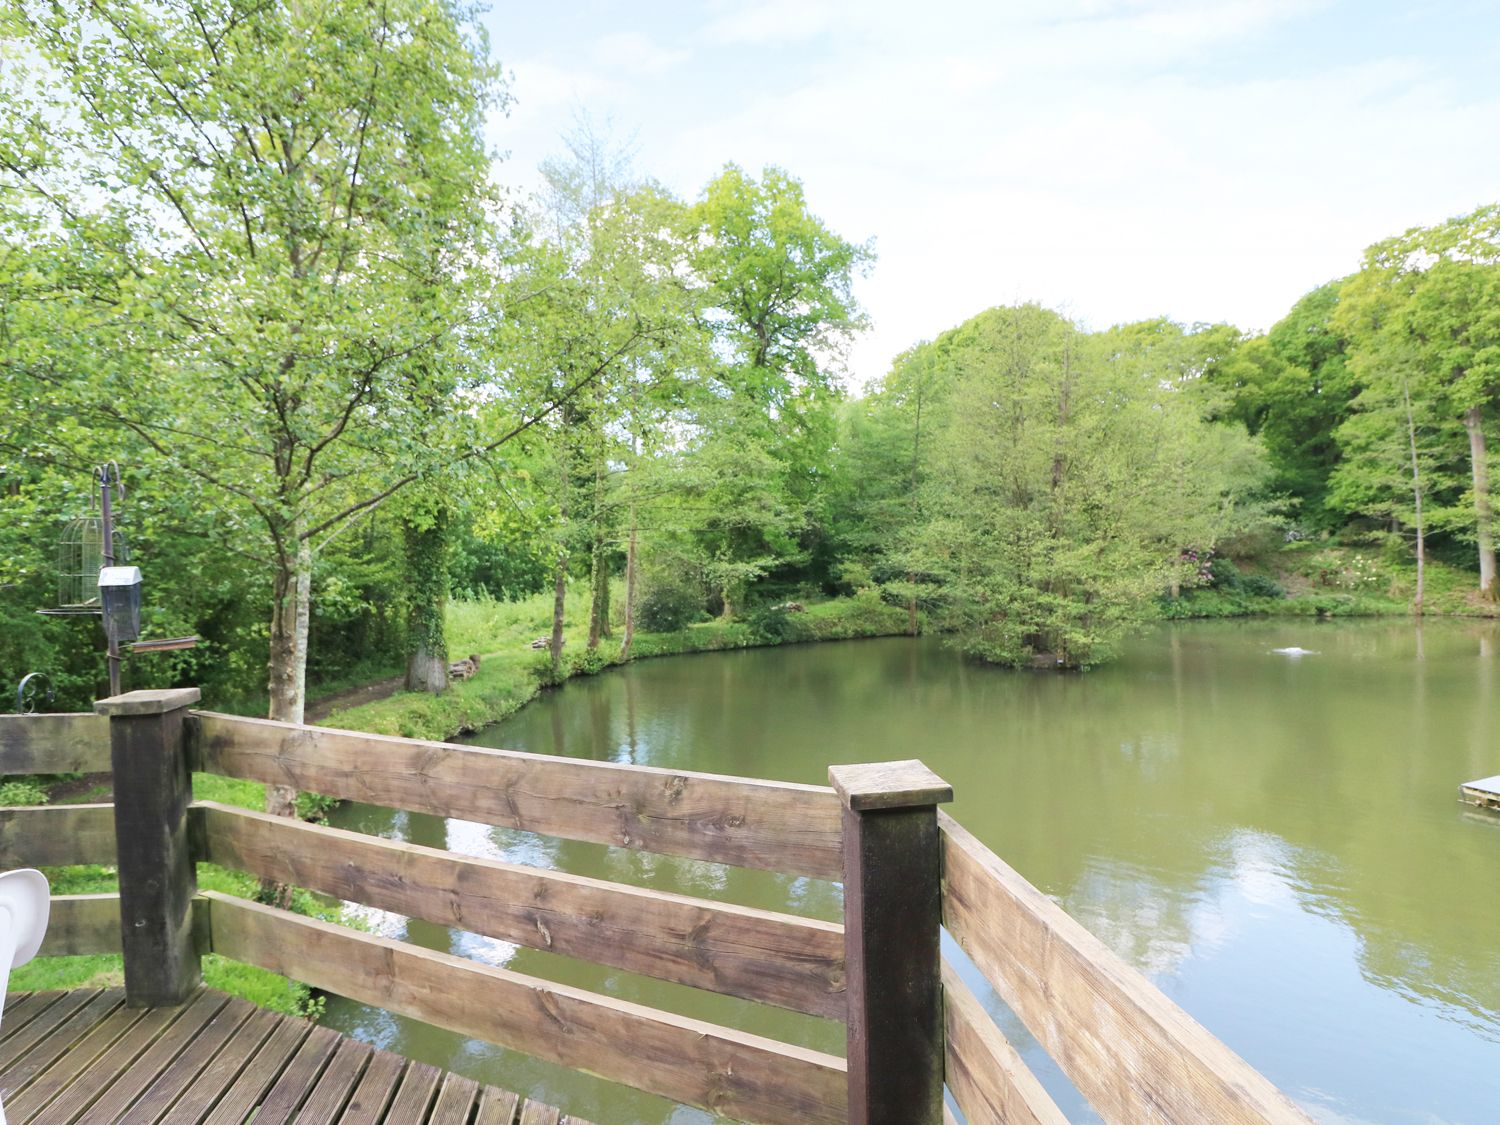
1129 1050
913 1026
51 836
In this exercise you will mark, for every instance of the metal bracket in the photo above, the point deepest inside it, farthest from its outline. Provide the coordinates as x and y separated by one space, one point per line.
33 685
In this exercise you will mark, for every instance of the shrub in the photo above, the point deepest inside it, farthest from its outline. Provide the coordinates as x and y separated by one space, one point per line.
22 792
1260 586
1224 575
589 662
542 671
315 807
770 625
670 600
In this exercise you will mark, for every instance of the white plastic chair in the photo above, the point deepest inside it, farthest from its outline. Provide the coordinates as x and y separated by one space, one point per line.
24 903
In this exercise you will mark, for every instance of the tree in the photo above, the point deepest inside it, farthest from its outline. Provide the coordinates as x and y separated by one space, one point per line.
775 292
1399 452
607 269
1069 473
273 213
1431 298
873 496
425 541
1293 388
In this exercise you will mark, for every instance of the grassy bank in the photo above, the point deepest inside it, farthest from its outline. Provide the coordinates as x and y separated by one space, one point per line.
511 673
1328 579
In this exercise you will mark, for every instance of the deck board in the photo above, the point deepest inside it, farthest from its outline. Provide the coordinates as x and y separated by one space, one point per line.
376 1088
37 1031
1485 792
82 1058
21 1008
327 1100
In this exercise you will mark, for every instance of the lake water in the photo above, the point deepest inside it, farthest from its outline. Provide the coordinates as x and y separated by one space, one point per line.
1274 840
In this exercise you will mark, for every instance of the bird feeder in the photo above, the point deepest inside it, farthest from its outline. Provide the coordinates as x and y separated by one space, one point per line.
87 545
120 599
80 556
90 577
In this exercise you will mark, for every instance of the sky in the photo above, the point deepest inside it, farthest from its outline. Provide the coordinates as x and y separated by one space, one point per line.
1203 160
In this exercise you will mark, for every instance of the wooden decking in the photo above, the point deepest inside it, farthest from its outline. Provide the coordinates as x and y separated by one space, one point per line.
1485 792
83 1057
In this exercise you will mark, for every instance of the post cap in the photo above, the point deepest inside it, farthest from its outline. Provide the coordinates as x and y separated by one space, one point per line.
889 785
154 702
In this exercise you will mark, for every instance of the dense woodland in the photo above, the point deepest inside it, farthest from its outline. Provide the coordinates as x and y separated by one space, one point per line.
261 257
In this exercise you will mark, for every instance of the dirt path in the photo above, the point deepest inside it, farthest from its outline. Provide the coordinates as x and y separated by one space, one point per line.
353 697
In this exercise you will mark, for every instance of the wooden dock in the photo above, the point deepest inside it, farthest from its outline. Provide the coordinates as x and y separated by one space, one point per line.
83 1058
1485 793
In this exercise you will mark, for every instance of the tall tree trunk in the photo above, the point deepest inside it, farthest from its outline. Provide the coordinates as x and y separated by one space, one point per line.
1416 494
598 563
559 609
291 589
560 572
599 595
630 567
1474 424
291 605
426 558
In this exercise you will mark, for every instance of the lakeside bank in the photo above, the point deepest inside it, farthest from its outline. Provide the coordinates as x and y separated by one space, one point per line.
511 673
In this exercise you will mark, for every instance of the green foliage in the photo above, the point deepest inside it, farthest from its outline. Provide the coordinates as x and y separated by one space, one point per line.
589 662
1293 388
1261 586
670 599
1062 476
1424 317
22 791
277 203
771 625
315 807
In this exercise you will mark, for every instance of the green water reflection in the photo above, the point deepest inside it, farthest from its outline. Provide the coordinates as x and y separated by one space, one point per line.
1274 840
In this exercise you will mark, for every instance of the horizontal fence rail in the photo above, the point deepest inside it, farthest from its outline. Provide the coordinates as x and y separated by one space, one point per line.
779 959
986 1076
81 925
741 1076
62 835
56 835
69 743
1129 1050
775 826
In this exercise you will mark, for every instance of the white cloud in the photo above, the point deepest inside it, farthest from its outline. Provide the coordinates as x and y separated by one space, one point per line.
771 21
633 53
1099 155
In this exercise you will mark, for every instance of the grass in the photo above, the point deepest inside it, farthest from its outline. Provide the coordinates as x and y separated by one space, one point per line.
269 990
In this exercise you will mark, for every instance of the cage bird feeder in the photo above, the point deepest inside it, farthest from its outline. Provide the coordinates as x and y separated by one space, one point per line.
120 599
80 556
91 577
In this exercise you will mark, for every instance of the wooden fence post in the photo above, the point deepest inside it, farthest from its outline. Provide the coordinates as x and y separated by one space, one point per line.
157 879
892 912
